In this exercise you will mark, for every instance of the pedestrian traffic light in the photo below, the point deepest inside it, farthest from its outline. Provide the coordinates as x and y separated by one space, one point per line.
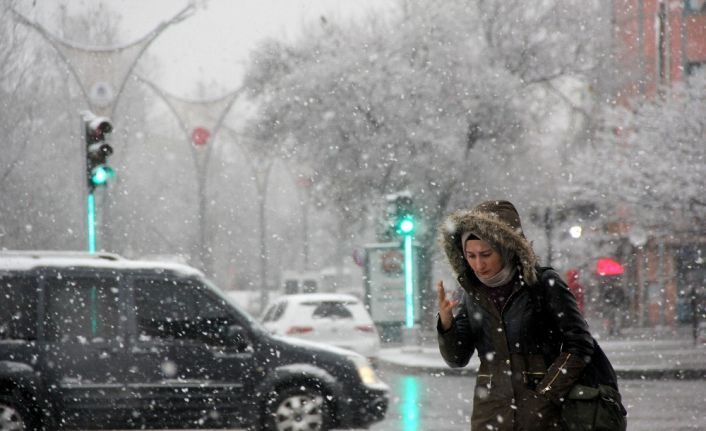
98 150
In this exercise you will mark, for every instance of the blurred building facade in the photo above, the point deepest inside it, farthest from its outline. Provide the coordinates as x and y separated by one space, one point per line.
658 43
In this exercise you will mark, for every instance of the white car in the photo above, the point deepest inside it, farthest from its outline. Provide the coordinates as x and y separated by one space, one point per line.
337 319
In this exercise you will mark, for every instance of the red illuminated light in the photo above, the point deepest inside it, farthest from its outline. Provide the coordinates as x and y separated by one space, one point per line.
607 266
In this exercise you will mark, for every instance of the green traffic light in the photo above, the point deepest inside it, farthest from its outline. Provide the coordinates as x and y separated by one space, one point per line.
406 225
101 174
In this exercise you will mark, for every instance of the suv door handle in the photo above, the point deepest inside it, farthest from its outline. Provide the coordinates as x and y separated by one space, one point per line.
232 355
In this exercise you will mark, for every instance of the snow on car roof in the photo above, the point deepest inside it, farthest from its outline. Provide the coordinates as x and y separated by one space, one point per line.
26 260
318 297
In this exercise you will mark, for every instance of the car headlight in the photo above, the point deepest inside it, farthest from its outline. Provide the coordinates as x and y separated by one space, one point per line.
366 372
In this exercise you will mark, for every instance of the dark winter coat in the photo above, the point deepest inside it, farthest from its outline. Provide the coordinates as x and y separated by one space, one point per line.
533 350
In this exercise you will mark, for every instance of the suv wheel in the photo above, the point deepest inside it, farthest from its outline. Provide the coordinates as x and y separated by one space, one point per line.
297 409
13 417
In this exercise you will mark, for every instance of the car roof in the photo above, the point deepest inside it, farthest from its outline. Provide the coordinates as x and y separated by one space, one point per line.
317 297
25 260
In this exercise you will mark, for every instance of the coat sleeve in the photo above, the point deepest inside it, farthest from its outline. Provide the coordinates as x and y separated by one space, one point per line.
576 340
457 344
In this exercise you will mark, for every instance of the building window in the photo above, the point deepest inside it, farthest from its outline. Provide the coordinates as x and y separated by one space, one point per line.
696 5
694 67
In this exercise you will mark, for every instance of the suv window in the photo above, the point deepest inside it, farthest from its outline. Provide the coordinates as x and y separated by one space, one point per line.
82 309
178 310
331 310
275 312
18 296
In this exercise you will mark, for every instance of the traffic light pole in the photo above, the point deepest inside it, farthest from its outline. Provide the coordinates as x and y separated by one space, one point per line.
405 226
91 211
408 282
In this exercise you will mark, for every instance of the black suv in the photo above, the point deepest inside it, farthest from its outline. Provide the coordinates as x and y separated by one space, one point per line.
98 341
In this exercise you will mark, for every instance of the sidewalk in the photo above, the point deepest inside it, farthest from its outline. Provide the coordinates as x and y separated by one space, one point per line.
639 353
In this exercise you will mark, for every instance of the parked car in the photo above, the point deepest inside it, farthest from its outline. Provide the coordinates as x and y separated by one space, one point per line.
337 319
99 341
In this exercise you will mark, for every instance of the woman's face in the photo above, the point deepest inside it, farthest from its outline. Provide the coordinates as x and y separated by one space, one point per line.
484 261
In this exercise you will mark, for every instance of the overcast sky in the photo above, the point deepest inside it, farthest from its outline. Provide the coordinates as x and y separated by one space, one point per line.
214 43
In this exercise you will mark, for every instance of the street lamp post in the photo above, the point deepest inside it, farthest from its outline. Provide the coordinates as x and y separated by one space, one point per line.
261 166
548 216
200 121
304 182
262 174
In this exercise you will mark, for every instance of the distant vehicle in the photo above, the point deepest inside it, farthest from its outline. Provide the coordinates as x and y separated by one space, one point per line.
337 319
96 341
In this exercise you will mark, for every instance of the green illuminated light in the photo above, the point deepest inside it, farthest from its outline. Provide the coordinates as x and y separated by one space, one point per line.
101 174
406 225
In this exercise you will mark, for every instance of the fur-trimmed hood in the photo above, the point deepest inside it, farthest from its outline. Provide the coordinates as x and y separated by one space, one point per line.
494 221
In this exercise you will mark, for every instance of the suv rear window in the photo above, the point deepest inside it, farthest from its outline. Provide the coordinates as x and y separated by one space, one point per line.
18 313
331 310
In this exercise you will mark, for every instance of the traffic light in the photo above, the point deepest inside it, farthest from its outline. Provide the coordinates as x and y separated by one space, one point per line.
399 218
402 222
98 150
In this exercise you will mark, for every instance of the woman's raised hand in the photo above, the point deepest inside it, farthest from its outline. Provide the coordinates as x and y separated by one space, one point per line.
445 306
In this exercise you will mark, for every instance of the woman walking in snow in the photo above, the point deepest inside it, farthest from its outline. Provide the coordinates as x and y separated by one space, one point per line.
531 339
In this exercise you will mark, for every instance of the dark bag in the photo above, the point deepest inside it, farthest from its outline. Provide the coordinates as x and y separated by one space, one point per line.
594 403
586 408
